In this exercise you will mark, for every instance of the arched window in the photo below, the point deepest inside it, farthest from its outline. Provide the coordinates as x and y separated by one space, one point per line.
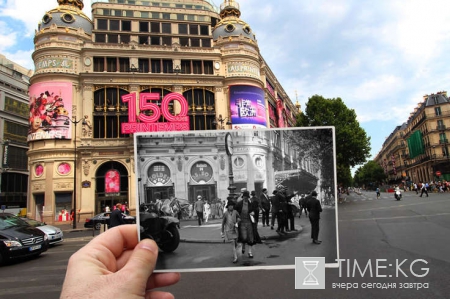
162 93
201 108
109 112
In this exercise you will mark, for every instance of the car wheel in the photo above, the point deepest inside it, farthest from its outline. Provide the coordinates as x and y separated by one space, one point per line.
171 239
98 226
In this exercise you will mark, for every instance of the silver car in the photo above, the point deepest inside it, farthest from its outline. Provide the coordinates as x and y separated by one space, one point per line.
54 234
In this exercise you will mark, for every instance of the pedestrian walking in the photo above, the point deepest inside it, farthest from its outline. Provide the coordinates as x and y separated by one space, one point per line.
230 223
314 209
116 217
424 189
191 209
245 234
198 207
206 211
265 207
290 221
302 203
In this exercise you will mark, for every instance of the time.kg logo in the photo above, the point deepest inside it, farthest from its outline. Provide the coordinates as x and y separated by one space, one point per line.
309 273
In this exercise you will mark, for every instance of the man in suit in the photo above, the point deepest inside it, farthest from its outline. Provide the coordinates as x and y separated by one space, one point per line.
275 203
265 207
116 217
314 208
282 210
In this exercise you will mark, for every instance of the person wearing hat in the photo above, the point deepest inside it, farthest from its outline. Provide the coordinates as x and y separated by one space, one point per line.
274 201
230 223
240 195
265 207
246 212
282 210
314 208
198 207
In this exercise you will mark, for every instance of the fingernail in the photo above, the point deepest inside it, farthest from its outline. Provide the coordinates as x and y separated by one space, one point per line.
151 247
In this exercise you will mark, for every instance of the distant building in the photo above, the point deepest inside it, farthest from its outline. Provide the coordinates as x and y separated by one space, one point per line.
14 82
136 66
418 150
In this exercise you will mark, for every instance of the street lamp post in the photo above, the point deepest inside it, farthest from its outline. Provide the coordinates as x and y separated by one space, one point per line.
75 122
229 151
434 161
221 121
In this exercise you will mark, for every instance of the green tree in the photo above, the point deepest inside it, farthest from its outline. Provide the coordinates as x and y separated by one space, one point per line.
352 142
369 175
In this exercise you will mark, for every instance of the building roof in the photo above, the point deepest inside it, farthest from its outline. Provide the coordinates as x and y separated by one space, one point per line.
68 14
230 23
436 99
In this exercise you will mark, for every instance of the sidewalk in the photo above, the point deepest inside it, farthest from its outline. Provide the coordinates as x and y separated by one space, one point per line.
191 232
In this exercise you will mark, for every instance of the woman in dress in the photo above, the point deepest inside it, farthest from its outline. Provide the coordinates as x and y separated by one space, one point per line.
229 227
246 212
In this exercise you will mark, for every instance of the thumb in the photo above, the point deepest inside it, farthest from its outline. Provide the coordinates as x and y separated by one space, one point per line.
142 261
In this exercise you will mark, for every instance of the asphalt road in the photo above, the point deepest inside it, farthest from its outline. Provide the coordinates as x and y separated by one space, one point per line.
369 229
412 233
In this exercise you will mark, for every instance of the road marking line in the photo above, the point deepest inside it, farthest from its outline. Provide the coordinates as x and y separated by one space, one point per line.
397 206
396 217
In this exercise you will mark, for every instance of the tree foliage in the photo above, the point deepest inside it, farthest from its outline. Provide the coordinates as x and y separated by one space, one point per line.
352 142
370 175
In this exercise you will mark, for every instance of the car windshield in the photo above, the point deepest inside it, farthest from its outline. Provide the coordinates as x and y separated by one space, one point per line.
7 221
33 222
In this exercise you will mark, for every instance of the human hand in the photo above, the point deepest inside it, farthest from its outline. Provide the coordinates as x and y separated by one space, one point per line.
115 265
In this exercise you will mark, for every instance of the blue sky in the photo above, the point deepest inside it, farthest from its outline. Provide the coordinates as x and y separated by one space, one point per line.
381 57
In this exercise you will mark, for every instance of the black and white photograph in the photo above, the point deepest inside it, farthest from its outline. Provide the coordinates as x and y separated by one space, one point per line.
238 199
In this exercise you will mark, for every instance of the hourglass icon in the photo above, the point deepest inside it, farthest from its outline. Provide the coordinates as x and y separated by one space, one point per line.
310 279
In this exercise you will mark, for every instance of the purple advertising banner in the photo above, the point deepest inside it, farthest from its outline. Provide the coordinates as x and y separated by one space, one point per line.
247 105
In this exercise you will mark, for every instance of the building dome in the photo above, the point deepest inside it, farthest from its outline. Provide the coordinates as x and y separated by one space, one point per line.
230 23
68 14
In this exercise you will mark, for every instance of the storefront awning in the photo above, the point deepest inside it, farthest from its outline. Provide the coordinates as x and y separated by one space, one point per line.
299 180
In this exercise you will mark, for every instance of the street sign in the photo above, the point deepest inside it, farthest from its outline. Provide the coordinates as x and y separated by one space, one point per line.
438 173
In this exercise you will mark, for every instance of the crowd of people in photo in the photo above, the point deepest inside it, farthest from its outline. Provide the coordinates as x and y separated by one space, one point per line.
240 215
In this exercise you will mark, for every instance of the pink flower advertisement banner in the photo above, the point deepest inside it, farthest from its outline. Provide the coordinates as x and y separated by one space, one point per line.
50 111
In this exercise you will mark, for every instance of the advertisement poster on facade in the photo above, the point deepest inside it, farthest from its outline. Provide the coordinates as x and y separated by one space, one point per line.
247 106
50 110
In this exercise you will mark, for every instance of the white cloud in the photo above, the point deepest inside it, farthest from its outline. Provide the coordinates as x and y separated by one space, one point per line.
7 40
419 29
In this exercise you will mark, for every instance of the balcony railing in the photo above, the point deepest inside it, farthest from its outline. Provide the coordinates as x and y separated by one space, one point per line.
443 141
441 128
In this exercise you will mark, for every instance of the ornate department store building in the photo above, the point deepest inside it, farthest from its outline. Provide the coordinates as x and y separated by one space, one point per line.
137 66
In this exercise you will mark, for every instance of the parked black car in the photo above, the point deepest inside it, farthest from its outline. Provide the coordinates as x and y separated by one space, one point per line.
18 239
103 218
